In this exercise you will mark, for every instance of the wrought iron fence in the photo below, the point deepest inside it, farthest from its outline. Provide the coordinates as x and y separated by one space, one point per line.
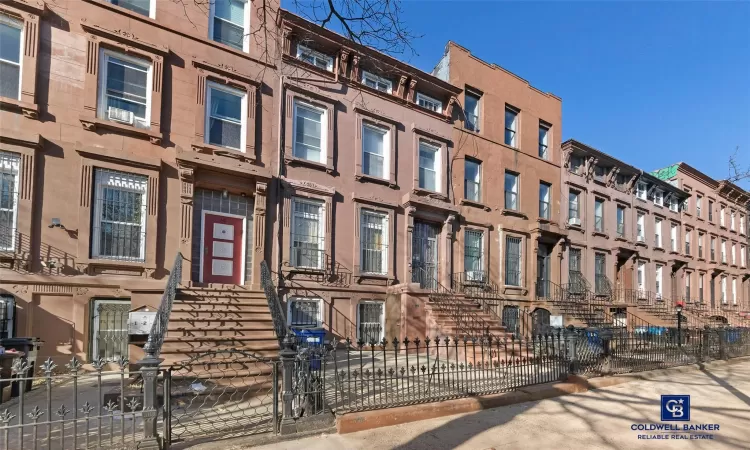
161 322
274 305
307 251
374 258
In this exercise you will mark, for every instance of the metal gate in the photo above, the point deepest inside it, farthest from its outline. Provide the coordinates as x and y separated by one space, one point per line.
540 321
225 393
424 252
510 319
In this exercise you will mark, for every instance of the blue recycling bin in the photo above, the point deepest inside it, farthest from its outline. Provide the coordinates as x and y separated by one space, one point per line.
312 338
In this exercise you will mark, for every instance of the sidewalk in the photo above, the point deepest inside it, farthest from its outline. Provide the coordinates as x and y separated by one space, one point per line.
599 419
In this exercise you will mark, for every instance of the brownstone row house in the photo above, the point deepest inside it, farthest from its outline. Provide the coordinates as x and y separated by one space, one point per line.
136 131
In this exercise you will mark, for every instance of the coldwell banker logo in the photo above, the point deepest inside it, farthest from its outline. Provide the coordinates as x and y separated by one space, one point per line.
675 408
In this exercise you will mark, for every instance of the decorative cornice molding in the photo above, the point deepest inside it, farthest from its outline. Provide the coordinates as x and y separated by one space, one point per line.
307 186
372 199
124 36
226 70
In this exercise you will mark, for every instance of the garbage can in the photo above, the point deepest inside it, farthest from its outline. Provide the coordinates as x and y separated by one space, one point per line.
30 348
312 338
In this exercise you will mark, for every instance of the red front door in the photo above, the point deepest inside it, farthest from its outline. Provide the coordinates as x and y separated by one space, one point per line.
222 249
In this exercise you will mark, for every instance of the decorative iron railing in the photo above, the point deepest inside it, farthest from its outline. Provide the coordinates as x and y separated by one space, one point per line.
155 340
274 305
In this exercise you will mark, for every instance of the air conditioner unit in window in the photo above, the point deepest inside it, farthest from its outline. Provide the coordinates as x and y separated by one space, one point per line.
120 115
574 221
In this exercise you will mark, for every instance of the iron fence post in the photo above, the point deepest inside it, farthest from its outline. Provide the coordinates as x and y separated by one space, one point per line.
722 343
705 342
606 337
150 373
571 338
287 356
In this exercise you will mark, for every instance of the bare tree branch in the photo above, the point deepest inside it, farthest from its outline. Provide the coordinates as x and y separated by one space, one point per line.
736 171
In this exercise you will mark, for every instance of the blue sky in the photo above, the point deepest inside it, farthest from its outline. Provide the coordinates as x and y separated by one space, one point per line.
651 83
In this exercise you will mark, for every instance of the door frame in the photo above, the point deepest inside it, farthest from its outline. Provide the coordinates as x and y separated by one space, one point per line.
203 237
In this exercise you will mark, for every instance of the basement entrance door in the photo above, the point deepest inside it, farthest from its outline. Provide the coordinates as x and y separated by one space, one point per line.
223 247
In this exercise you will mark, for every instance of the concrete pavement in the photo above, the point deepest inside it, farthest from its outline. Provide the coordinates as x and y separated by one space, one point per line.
598 419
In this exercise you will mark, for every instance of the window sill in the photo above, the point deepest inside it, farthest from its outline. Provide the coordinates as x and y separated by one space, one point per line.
575 227
661 249
622 238
94 124
432 194
733 231
29 110
642 244
363 178
203 147
600 234
475 204
514 212
514 290
97 266
723 227
362 278
701 259
674 252
295 161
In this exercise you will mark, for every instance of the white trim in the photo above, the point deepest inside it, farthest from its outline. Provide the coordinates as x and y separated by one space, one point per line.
321 228
21 40
14 163
382 317
203 243
294 298
243 113
101 101
641 190
95 322
245 24
438 164
315 54
136 183
151 8
323 129
385 132
421 96
377 79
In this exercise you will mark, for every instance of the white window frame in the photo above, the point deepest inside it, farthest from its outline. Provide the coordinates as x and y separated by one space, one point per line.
427 99
438 164
743 250
722 213
641 190
698 205
243 113
673 237
731 220
386 133
151 9
641 276
723 251
514 126
724 298
323 130
317 55
21 41
742 224
544 143
10 163
515 190
473 126
673 204
478 179
294 299
641 224
382 317
657 232
734 254
105 54
95 324
545 199
377 79
245 23
658 197
734 290
386 235
96 223
321 228
658 281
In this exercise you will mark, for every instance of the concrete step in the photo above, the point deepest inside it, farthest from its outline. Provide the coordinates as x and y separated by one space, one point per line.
190 332
220 314
219 306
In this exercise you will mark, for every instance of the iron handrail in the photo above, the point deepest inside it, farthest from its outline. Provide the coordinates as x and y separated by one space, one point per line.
152 349
274 305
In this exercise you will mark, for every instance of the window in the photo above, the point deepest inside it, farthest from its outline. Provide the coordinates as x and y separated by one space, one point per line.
304 312
723 289
688 275
734 291
698 205
317 59
471 111
225 109
144 7
376 82
641 224
734 255
673 236
700 245
701 280
658 197
713 248
110 329
657 232
472 180
119 225
7 316
576 281
229 22
543 140
601 283
641 190
375 151
512 261
620 221
723 251
429 166
474 255
673 204
621 181
374 242
9 177
544 193
511 125
710 211
10 57
370 321
125 89
658 280
429 103
687 241
600 173
731 220
576 164
308 136
722 213
574 208
743 252
742 224
641 271
599 215
511 191
307 234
